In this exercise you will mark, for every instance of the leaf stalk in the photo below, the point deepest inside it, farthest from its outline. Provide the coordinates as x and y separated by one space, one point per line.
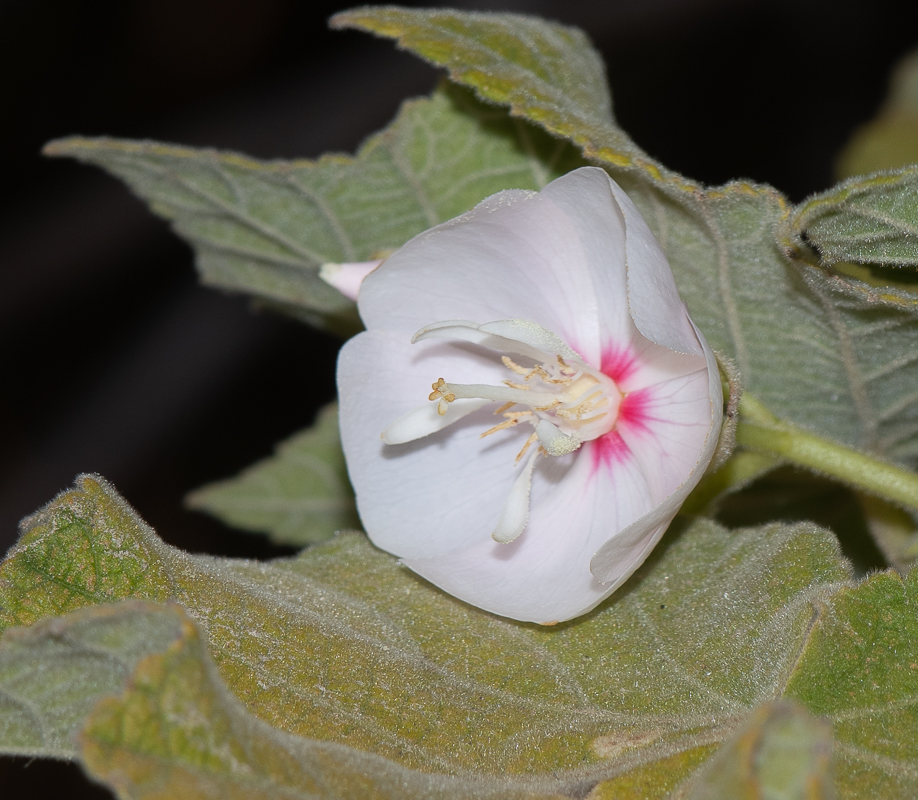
760 430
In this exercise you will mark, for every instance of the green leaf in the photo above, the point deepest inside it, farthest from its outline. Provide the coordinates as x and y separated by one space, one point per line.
177 732
872 220
891 140
894 531
782 753
344 646
299 496
547 73
265 227
53 673
859 669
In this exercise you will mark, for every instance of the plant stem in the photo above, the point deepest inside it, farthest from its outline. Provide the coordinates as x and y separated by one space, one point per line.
759 429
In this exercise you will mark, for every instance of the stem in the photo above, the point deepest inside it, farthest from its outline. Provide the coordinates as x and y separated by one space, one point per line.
759 429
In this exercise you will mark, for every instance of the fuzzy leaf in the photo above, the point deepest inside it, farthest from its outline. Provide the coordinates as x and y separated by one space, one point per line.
860 669
177 732
782 753
547 73
872 220
51 674
344 646
299 496
265 227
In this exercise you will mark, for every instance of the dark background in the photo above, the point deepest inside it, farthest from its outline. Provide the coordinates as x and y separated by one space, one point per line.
113 360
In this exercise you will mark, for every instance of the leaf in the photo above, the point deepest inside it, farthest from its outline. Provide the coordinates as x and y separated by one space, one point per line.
53 673
860 670
265 227
872 220
547 73
783 753
893 530
177 732
891 140
299 496
342 645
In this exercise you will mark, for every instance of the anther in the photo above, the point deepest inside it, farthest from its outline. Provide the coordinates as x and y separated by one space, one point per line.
441 392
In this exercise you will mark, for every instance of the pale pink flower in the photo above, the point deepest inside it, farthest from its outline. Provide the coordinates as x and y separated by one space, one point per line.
578 408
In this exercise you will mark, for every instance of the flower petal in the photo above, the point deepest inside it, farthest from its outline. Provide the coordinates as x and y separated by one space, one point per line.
653 299
517 255
540 576
437 493
348 277
614 562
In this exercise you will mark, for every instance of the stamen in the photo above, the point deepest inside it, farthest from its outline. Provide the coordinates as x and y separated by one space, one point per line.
526 445
566 369
502 426
503 408
521 386
441 392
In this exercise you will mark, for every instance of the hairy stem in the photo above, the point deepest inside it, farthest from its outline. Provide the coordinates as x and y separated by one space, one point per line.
760 430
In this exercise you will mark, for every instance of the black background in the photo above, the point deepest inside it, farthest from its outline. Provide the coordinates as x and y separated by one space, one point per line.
113 360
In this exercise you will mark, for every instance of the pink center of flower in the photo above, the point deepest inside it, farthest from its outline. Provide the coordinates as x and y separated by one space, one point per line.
611 448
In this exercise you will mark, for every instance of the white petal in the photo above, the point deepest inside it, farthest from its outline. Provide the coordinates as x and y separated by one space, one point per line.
437 493
515 513
543 575
347 277
425 420
517 255
653 299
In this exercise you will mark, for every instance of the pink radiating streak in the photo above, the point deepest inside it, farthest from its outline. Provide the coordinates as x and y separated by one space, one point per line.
618 363
633 412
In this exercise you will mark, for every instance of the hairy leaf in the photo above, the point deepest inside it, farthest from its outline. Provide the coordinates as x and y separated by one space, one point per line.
265 227
342 645
51 674
783 753
872 220
299 496
177 732
860 670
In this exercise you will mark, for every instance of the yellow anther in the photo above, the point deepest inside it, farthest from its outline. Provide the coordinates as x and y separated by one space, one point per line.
441 392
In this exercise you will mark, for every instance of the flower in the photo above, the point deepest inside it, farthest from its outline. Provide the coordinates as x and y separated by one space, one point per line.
574 403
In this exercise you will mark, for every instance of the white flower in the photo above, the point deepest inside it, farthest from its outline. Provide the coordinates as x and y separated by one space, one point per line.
574 404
